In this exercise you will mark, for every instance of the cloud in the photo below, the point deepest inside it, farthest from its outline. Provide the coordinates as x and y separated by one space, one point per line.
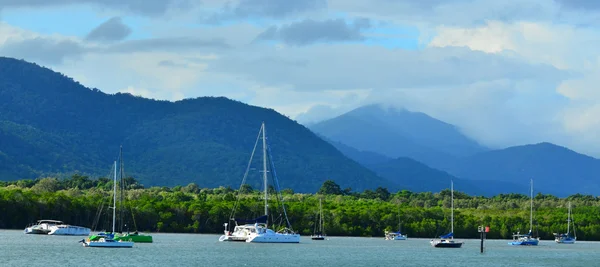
166 44
42 49
276 9
109 31
141 7
354 66
310 31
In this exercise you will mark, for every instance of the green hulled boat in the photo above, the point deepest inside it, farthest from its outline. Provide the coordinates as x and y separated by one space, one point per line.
135 237
119 235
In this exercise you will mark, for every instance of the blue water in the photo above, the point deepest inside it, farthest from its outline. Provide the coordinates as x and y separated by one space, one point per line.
18 249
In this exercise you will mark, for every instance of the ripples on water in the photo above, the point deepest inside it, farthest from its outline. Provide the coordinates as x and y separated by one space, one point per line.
18 249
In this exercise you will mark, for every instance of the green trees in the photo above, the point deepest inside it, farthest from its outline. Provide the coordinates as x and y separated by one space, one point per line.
368 213
329 187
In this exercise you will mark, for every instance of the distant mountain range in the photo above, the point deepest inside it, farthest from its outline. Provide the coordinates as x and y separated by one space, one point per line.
389 140
50 124
399 133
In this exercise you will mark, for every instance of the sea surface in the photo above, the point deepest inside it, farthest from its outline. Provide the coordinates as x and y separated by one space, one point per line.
18 249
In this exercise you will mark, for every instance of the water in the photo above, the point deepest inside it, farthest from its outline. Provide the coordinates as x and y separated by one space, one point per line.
18 249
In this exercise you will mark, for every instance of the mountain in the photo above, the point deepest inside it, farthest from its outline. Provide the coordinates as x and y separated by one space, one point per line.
51 124
555 170
399 133
415 176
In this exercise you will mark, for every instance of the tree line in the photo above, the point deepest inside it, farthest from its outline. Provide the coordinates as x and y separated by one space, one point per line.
80 200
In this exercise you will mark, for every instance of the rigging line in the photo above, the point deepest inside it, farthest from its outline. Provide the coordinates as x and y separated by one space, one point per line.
125 186
278 193
96 222
122 187
239 195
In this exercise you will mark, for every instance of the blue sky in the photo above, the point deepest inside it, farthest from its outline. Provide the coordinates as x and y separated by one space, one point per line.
505 72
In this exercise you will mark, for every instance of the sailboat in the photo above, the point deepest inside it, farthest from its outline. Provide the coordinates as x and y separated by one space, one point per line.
447 241
135 236
526 239
396 235
108 241
320 234
566 238
257 230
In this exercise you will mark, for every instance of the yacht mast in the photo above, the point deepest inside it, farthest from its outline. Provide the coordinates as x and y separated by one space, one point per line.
320 217
264 139
569 219
531 209
114 198
452 212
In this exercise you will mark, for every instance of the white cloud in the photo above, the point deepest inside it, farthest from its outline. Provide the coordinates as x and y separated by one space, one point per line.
507 72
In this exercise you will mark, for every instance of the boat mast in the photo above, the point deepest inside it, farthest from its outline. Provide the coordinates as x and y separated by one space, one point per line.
320 217
264 139
569 219
122 187
531 209
452 212
114 198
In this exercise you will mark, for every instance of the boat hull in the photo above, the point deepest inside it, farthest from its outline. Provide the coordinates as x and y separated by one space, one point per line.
534 242
69 230
274 238
565 241
36 231
318 237
107 243
136 238
446 244
97 244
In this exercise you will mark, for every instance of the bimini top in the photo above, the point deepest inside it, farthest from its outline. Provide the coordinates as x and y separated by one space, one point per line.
50 221
447 235
523 235
261 219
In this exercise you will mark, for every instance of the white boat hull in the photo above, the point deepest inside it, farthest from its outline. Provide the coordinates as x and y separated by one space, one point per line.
565 240
274 238
102 243
36 231
69 230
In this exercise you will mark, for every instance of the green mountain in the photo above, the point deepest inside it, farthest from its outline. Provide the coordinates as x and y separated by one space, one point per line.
51 124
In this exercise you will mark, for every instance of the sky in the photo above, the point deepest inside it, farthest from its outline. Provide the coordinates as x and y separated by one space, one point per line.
505 72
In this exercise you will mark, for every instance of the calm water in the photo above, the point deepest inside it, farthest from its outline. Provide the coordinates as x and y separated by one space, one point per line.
18 249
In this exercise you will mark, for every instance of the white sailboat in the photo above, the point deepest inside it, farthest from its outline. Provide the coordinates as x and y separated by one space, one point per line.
447 241
567 238
108 241
526 239
257 230
396 235
320 233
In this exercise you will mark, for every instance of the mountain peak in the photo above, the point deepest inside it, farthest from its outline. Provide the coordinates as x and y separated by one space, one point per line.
397 132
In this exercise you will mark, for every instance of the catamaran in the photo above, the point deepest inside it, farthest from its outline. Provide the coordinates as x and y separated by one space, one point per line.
526 239
53 227
42 227
66 229
257 230
319 234
447 241
567 238
108 241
